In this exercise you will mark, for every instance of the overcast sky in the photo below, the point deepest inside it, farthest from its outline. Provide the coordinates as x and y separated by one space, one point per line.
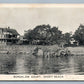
66 19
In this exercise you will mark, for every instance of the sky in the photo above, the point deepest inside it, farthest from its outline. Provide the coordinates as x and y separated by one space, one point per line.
67 19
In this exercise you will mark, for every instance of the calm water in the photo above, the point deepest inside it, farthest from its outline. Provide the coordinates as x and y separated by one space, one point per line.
24 64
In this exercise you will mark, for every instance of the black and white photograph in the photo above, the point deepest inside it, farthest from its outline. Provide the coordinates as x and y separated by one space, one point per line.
42 40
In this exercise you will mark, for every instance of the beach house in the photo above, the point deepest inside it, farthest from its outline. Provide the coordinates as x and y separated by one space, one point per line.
8 36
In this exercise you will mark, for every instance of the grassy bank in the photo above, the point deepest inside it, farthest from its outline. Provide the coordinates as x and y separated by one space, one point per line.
26 48
77 50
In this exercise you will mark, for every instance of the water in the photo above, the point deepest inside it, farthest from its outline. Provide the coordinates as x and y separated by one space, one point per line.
25 64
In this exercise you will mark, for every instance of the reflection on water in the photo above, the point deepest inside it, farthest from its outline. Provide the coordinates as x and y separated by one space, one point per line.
25 64
7 63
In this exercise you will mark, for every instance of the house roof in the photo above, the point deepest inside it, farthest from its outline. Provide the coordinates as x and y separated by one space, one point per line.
13 31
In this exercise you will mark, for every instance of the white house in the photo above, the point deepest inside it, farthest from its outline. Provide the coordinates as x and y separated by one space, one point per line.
74 42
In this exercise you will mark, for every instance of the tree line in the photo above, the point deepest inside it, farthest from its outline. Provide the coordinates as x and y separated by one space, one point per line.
47 35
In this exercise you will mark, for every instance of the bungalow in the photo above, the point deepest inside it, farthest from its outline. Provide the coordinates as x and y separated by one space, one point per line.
8 36
22 40
73 42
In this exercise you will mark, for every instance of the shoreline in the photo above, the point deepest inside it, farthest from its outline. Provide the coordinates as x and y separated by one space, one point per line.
26 49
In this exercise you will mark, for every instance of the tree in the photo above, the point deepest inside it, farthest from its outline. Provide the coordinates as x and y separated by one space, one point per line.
67 37
44 33
79 34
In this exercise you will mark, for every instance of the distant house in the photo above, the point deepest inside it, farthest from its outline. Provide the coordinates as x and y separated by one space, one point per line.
39 42
22 40
73 42
35 42
8 36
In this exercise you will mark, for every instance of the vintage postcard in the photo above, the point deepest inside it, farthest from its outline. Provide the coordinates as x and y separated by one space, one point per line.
41 42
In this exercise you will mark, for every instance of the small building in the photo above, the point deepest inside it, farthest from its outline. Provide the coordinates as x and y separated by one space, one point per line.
73 42
8 36
39 42
35 42
22 40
